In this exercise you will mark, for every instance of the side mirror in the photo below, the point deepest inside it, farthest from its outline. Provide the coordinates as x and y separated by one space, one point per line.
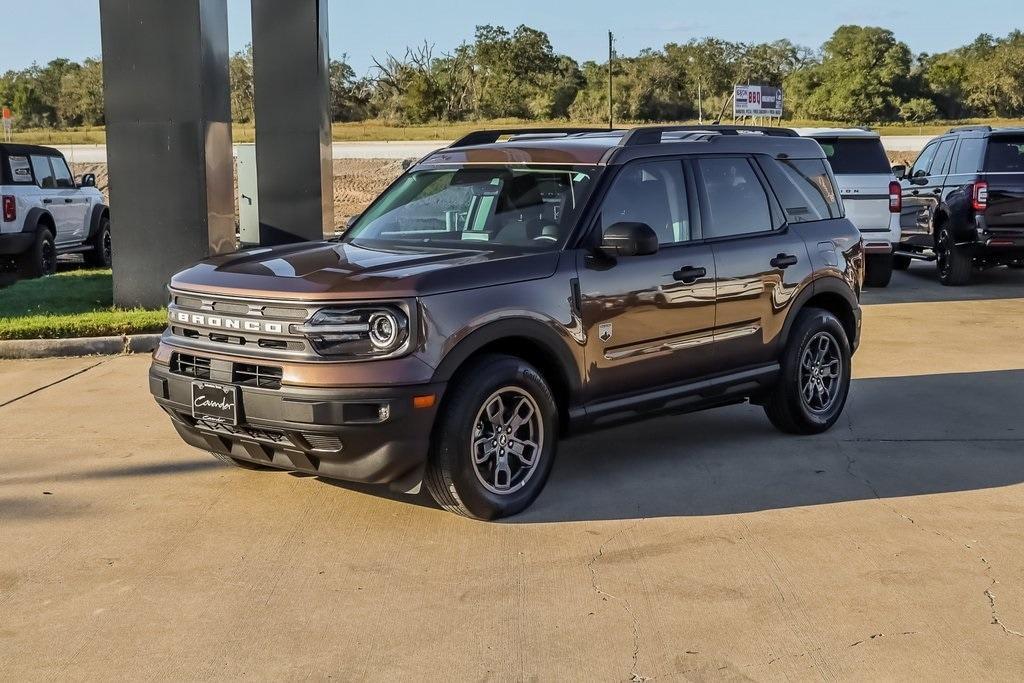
629 239
88 180
900 171
920 178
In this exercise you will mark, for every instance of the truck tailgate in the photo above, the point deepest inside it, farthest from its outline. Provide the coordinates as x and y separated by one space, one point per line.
1005 200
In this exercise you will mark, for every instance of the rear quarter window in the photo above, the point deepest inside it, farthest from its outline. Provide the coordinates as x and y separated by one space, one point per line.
20 169
804 189
1005 154
855 156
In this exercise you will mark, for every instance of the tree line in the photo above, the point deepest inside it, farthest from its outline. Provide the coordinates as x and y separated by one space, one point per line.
860 75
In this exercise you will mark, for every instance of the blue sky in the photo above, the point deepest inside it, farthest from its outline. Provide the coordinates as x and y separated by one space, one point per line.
578 28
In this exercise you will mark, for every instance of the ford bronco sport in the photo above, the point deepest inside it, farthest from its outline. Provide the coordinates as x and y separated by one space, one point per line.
963 203
46 213
502 294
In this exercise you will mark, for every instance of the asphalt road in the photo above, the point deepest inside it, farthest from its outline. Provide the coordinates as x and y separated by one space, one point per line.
699 547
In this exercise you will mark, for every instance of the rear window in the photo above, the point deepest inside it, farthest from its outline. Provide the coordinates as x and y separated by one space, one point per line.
855 156
804 189
1005 154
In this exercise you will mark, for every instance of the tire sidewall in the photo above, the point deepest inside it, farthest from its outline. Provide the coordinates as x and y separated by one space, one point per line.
453 446
811 323
104 259
36 266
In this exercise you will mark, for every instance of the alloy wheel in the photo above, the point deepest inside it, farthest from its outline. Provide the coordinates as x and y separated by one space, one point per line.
507 440
942 249
48 258
821 372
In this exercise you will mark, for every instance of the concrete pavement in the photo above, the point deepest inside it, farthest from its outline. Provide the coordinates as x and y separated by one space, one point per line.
696 547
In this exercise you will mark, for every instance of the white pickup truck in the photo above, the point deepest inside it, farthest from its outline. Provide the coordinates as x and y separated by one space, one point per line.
44 212
871 194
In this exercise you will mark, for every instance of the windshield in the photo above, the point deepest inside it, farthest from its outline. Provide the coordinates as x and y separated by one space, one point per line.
523 207
853 156
1005 154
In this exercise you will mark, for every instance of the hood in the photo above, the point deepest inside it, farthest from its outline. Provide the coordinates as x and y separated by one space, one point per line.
336 271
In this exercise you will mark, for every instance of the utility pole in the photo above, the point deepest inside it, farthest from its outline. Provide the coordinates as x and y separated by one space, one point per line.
611 59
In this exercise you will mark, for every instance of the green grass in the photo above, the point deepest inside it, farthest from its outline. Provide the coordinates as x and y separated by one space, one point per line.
362 131
76 303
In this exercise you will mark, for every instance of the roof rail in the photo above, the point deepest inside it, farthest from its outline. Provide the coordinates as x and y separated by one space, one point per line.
487 137
965 129
651 135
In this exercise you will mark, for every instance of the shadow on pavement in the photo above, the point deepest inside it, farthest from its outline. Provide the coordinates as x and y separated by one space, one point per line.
921 284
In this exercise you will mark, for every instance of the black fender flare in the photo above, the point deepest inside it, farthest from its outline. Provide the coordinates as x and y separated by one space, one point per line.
824 285
98 211
34 217
550 342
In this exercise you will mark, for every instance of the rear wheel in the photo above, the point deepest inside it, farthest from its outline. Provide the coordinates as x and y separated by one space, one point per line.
41 258
955 263
815 381
496 440
900 262
101 254
879 270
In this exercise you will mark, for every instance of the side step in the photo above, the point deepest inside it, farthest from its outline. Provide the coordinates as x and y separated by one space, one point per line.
923 255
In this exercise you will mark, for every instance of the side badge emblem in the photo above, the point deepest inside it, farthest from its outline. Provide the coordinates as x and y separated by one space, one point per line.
605 331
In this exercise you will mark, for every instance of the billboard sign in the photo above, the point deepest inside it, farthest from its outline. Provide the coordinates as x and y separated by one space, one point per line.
757 100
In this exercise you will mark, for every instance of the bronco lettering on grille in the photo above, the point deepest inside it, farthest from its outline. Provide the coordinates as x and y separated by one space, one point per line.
227 323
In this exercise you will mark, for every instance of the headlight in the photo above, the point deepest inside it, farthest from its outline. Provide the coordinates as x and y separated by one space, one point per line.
365 332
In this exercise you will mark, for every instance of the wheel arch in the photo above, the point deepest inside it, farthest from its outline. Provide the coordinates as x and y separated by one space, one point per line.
529 340
834 296
99 212
37 217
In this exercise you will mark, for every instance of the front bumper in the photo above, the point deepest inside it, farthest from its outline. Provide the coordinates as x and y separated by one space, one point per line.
371 435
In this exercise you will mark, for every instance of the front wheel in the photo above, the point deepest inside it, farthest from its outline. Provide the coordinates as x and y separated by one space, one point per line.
496 439
879 270
101 254
815 381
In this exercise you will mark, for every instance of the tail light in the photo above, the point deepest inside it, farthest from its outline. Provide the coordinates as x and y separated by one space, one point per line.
10 208
979 196
895 197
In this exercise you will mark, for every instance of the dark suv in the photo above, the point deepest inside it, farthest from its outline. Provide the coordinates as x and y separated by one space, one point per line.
501 295
963 203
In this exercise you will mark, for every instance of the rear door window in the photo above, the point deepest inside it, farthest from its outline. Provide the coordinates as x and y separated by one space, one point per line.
43 173
735 199
938 166
804 189
855 156
1005 154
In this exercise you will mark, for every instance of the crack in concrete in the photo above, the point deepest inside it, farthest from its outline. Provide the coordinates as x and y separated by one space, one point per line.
996 621
873 636
635 677
53 383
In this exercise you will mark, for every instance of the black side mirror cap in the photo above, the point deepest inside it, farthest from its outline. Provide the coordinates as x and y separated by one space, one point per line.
629 239
88 180
900 171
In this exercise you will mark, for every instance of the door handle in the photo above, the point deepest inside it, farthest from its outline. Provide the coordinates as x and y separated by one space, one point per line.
47 201
915 192
688 274
937 190
69 201
784 261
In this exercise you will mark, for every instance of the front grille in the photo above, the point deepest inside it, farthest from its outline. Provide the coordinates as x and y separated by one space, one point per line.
190 366
322 442
260 376
257 328
254 433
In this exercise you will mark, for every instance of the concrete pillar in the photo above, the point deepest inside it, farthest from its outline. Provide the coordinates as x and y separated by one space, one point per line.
293 126
168 113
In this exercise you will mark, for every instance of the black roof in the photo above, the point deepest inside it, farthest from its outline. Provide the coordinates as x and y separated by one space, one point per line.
17 149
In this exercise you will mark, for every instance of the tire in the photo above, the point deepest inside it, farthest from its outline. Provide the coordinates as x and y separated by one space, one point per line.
954 263
243 464
41 258
900 262
502 483
879 270
101 255
787 405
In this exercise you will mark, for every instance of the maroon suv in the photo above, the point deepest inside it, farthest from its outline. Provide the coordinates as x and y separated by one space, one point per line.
514 288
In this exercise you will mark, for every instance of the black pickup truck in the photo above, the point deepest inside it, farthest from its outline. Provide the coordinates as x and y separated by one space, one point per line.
963 203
